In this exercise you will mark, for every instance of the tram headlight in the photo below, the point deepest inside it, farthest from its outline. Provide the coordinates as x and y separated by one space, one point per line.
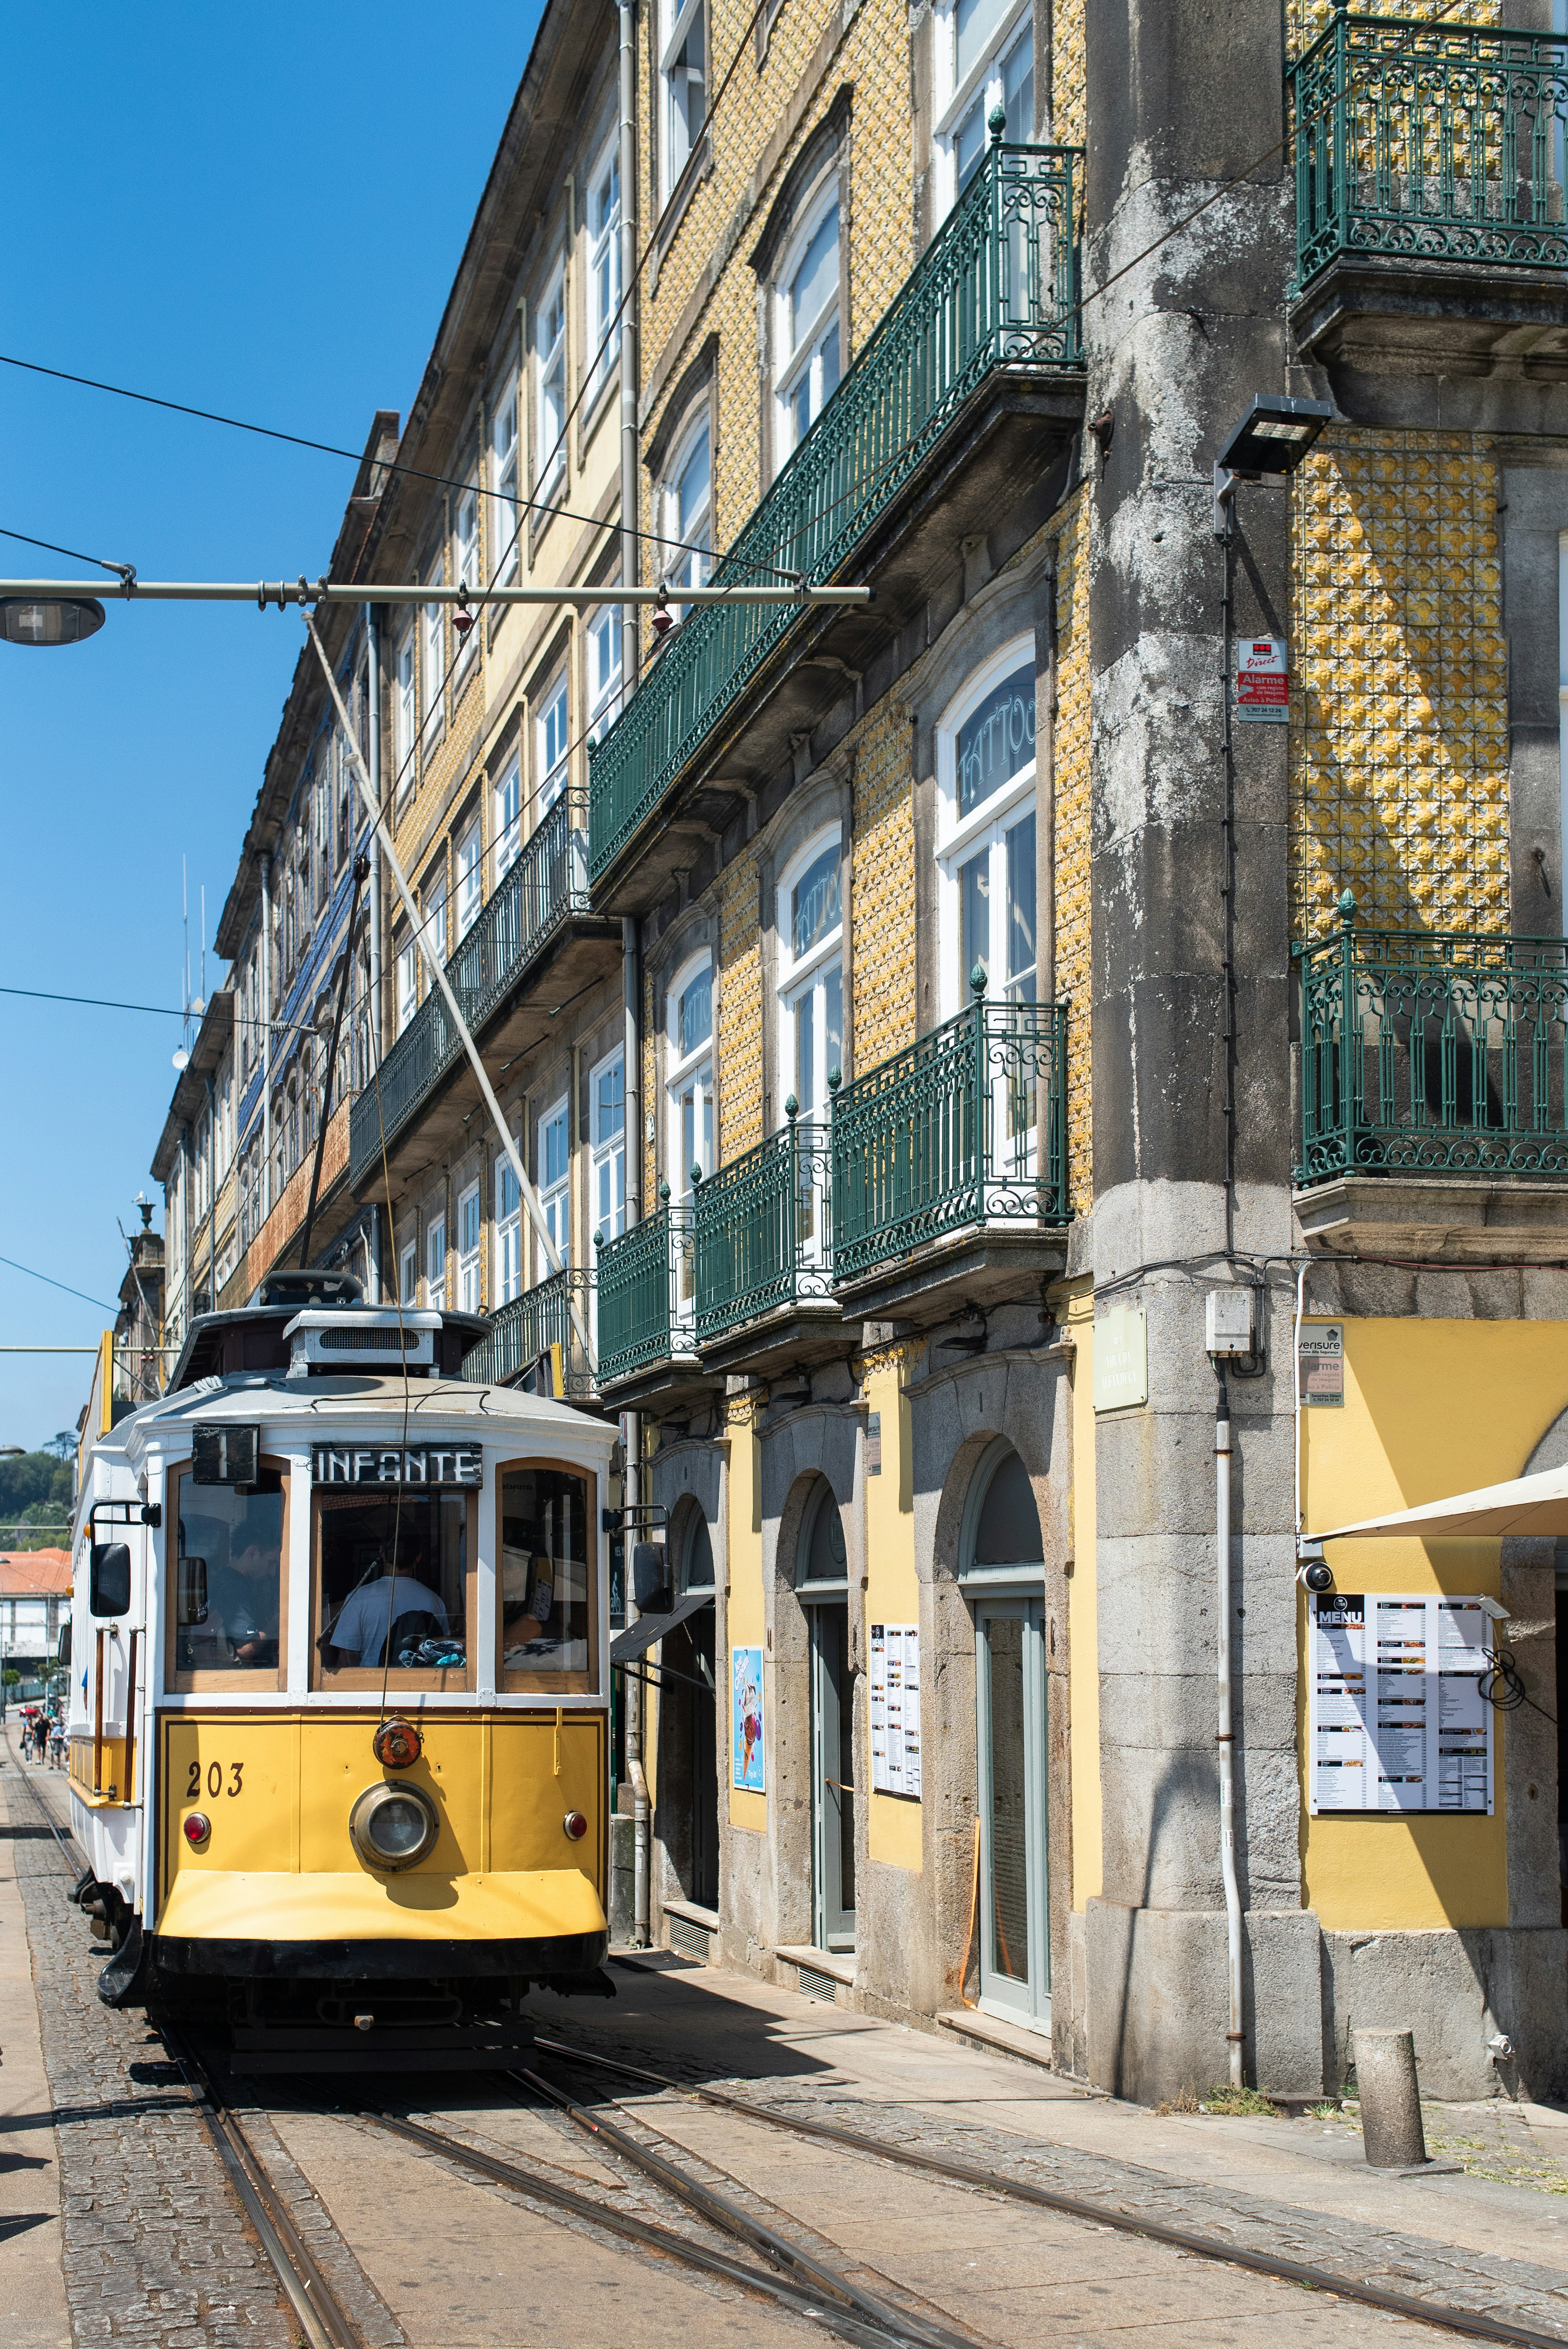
392 1825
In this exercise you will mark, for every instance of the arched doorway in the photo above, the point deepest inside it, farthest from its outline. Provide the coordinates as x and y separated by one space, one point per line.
688 1750
822 1587
1002 1568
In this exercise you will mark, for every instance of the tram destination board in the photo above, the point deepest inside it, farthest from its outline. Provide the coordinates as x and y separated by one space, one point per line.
421 1464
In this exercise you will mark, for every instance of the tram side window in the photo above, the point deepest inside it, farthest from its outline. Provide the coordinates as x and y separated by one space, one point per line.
228 1595
397 1562
546 1523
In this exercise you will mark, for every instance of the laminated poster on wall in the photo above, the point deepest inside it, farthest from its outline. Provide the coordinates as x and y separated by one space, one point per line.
895 1709
746 1723
1397 1719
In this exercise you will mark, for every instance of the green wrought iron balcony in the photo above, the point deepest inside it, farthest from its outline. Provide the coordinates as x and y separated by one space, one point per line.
1430 142
531 1328
546 883
965 1127
1432 1053
996 290
645 1281
761 1231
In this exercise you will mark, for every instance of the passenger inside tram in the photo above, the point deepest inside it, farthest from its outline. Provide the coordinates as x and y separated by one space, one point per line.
229 1577
544 1572
393 1565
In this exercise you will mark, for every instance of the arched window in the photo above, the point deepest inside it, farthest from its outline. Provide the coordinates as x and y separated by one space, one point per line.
810 924
697 1554
1001 1538
985 832
690 1082
822 1562
806 338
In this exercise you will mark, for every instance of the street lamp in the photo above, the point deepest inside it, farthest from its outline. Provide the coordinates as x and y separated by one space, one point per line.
54 620
1270 441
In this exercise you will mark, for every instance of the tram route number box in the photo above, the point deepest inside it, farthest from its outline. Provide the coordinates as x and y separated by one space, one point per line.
1262 681
396 1463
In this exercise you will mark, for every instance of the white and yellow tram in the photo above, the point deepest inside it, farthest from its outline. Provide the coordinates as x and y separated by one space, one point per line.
339 1682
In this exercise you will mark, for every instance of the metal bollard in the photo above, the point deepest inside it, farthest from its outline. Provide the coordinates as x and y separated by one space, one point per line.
1391 2129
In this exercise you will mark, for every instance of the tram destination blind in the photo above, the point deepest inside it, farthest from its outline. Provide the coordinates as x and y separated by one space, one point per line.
895 1709
1397 1719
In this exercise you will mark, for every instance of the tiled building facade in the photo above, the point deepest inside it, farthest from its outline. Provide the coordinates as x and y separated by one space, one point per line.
900 1283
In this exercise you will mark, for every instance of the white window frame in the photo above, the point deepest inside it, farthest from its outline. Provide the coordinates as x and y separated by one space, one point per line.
405 707
603 669
408 1274
550 377
508 816
470 862
692 1072
466 562
552 741
408 983
507 1279
688 557
801 361
607 1151
555 1189
432 667
603 232
436 1254
505 450
808 973
982 86
677 144
470 1227
960 837
435 912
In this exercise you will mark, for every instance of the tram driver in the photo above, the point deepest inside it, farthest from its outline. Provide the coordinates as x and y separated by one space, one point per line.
359 1634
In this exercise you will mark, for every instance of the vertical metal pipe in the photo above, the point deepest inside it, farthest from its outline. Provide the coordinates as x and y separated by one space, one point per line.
373 728
627 12
211 1199
1224 1741
265 1200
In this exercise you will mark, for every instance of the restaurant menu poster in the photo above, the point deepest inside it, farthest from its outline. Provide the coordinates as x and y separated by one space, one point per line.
895 1709
1397 1718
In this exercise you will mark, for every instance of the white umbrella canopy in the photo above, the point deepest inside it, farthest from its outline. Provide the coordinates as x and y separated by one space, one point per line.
1526 1505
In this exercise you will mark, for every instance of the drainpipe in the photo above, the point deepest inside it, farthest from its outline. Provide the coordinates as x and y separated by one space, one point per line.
266 1184
627 12
211 1199
373 695
1224 1741
633 1476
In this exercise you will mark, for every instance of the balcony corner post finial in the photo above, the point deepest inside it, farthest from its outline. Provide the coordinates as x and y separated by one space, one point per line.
1347 906
978 980
996 123
696 1175
791 1108
665 1193
835 1078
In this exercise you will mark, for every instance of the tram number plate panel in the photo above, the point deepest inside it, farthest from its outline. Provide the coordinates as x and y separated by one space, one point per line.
215 1778
459 1465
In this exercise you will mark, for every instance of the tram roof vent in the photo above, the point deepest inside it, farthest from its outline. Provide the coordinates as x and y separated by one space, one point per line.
342 1339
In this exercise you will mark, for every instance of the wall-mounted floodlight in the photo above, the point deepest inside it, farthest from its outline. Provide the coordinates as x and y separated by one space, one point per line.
1269 442
27 621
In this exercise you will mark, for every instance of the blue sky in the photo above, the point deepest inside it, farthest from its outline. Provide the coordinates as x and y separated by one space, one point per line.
258 212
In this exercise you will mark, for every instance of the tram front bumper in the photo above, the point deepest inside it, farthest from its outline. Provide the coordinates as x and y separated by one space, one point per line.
351 1925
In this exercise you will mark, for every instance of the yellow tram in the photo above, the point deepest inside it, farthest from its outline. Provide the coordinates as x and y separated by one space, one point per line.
338 1686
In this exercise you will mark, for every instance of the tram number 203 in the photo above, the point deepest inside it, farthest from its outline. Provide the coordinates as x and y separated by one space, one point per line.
215 1774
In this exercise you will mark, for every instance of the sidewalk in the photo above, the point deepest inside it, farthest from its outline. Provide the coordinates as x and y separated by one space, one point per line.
32 2288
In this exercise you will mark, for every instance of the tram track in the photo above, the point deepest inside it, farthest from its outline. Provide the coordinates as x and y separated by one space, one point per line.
1468 2323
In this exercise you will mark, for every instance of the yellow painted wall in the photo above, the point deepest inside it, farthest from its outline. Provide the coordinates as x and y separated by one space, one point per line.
1083 1627
1431 1407
892 1586
744 1612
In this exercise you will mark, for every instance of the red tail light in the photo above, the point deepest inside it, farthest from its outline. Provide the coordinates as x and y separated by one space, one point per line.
197 1830
575 1825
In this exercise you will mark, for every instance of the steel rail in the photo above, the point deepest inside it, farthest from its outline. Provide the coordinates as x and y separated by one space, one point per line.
320 2319
282 592
799 2299
720 2211
1099 2214
320 2314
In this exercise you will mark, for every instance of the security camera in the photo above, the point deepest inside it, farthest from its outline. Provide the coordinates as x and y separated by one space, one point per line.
1312 1569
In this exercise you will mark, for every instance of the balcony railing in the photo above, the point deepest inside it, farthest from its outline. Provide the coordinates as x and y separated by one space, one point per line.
996 287
761 1230
545 884
646 1282
524 1332
1429 141
1432 1053
967 1126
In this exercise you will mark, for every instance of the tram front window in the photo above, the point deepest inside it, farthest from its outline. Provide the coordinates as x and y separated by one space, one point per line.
392 1589
545 1532
228 1580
